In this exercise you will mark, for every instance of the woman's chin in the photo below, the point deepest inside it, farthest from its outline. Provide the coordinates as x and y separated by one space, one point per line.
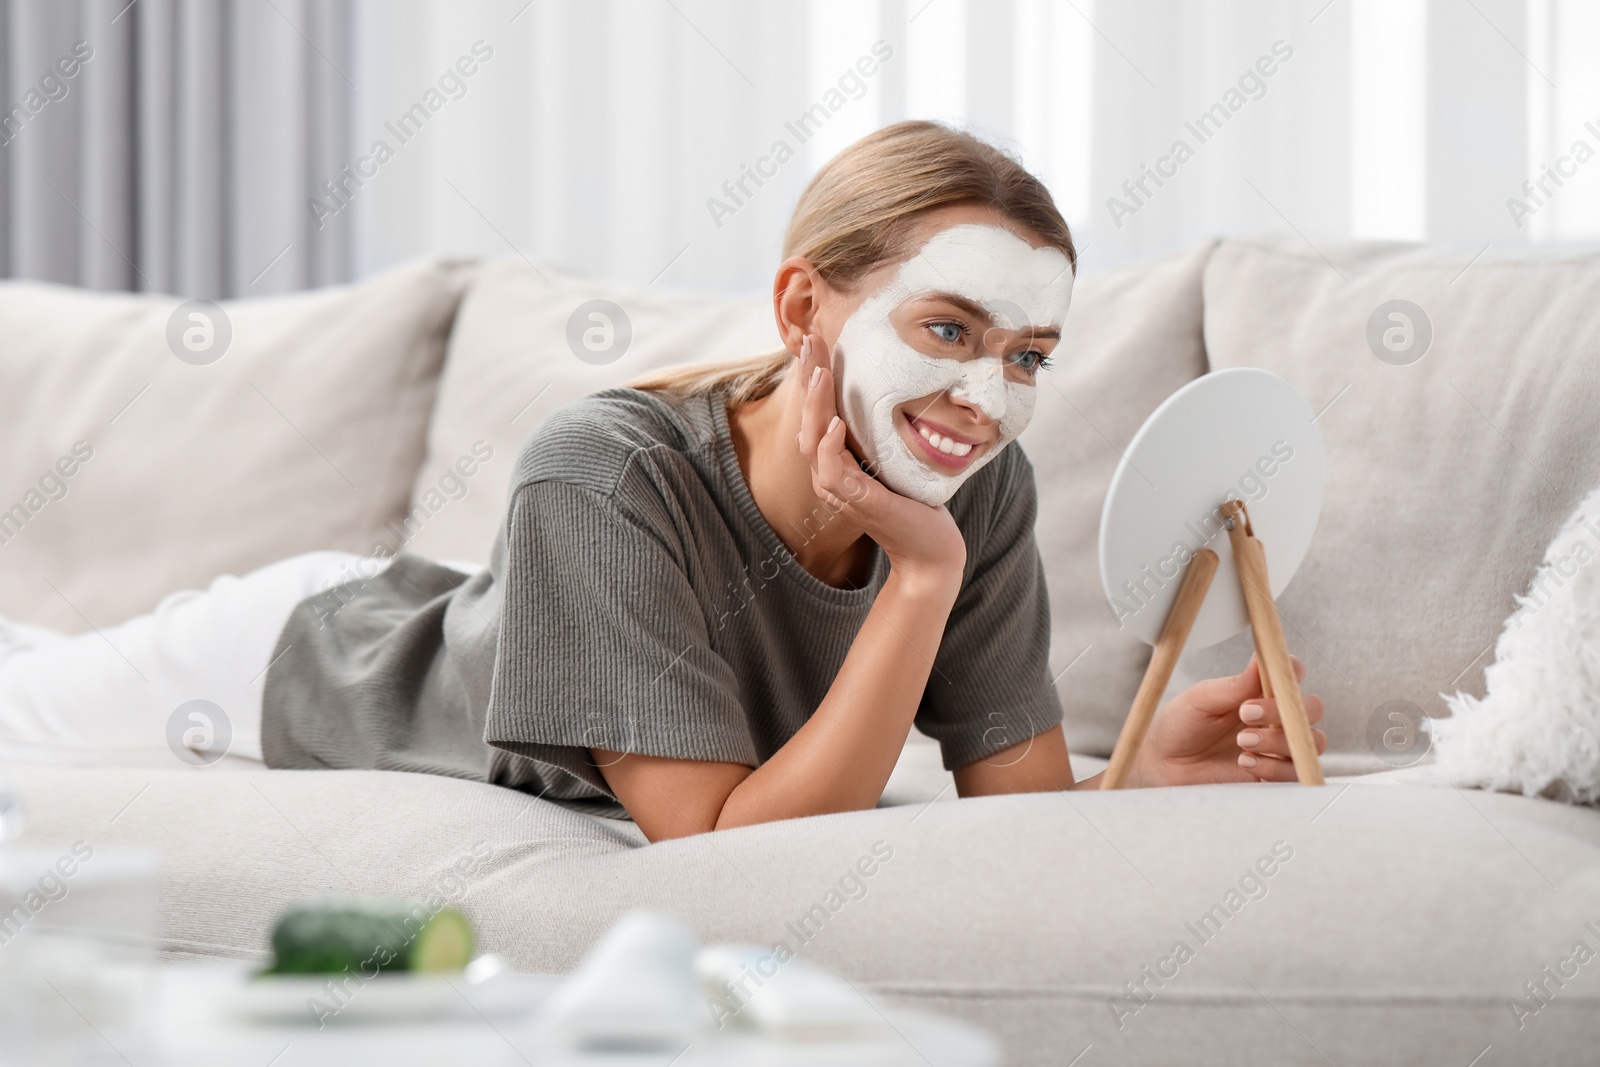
909 476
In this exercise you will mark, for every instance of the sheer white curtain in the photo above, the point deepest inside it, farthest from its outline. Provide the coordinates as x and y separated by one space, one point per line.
598 133
667 140
227 146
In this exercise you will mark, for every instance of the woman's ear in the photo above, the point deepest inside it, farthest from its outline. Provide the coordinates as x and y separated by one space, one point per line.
797 294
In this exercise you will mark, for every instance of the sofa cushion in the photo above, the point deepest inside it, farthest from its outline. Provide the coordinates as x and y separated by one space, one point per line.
1132 337
129 472
509 365
1360 923
1446 474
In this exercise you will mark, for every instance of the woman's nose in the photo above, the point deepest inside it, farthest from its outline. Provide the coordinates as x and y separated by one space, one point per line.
983 385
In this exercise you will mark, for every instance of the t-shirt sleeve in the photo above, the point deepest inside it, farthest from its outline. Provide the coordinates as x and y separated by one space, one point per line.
990 686
603 643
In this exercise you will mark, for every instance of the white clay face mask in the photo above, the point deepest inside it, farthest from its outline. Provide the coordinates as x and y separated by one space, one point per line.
877 370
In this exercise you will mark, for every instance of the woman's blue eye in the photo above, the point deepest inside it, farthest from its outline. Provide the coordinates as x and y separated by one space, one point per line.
955 333
1031 360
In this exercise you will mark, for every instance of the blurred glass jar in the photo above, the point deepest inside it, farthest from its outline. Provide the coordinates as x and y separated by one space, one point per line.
77 953
10 813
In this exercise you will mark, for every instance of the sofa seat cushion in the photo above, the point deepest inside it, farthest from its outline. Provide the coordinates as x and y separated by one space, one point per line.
129 473
1362 923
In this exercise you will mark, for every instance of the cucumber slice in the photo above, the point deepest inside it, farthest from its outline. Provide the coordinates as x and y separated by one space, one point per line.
333 935
445 944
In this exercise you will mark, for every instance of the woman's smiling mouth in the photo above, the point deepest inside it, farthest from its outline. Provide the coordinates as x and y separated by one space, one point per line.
940 447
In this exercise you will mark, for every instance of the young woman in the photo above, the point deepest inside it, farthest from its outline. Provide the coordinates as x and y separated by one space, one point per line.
713 601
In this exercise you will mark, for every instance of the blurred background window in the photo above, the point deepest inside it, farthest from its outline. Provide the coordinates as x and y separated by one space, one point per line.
242 147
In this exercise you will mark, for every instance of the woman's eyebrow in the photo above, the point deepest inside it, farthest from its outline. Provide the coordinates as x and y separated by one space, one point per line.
979 312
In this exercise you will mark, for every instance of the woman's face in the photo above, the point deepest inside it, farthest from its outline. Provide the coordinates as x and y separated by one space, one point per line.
936 357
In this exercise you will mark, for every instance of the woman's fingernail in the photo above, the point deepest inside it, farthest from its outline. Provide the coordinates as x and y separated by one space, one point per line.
1246 760
833 424
1249 739
816 376
1252 712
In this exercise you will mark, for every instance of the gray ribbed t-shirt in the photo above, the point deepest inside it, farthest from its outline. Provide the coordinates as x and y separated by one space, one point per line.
637 600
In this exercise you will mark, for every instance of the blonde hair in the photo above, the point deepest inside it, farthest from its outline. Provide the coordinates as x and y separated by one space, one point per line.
852 218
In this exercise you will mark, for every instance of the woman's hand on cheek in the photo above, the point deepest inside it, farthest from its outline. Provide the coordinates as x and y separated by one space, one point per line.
918 540
1223 730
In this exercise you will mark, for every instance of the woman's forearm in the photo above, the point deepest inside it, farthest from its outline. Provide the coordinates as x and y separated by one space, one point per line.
842 757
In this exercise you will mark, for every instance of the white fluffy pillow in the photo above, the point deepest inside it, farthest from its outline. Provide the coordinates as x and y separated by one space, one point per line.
1537 729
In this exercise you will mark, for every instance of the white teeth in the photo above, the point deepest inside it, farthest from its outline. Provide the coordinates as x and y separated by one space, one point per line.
944 444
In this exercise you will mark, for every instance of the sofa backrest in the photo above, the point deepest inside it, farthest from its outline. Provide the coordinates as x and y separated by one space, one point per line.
1458 436
376 416
147 451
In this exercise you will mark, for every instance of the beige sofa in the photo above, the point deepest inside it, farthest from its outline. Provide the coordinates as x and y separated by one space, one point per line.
1368 921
